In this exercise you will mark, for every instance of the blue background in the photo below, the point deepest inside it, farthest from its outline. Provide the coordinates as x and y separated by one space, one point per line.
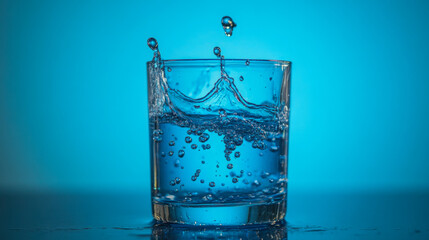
73 107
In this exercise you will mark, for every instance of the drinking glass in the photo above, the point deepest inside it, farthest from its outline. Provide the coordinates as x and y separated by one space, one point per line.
219 140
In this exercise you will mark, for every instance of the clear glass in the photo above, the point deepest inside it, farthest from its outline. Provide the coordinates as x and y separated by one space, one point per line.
219 140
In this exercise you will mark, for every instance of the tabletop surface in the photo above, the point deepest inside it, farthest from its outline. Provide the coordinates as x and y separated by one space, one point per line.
334 215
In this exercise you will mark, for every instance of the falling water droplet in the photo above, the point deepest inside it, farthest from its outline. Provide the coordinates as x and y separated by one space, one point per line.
217 51
152 43
177 180
228 25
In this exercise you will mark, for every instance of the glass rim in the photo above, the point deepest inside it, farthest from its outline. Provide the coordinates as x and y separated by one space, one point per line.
208 60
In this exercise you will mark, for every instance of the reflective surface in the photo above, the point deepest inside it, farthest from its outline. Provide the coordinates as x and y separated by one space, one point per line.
128 216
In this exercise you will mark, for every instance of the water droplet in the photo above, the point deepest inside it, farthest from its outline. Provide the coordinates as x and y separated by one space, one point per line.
194 146
162 154
202 181
217 51
249 174
209 197
229 166
177 163
234 180
271 78
261 154
228 25
247 62
212 184
181 153
171 143
172 183
177 180
241 78
157 135
188 139
152 43
193 178
170 153
237 154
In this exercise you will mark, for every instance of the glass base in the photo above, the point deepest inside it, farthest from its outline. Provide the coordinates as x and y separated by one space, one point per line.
230 215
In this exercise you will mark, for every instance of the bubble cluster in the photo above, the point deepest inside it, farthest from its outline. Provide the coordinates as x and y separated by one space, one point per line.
157 135
152 43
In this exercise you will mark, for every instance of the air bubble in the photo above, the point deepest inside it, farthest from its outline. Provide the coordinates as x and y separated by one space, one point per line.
181 153
212 184
188 139
237 154
177 163
241 78
194 146
274 148
204 137
170 153
172 183
222 113
157 135
177 180
171 143
162 154
271 180
247 62
193 178
256 183
202 181
229 166
169 69
234 180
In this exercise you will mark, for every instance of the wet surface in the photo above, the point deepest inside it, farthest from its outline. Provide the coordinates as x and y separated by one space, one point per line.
128 216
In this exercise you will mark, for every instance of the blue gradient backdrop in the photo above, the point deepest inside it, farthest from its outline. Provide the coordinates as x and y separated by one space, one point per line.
73 108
